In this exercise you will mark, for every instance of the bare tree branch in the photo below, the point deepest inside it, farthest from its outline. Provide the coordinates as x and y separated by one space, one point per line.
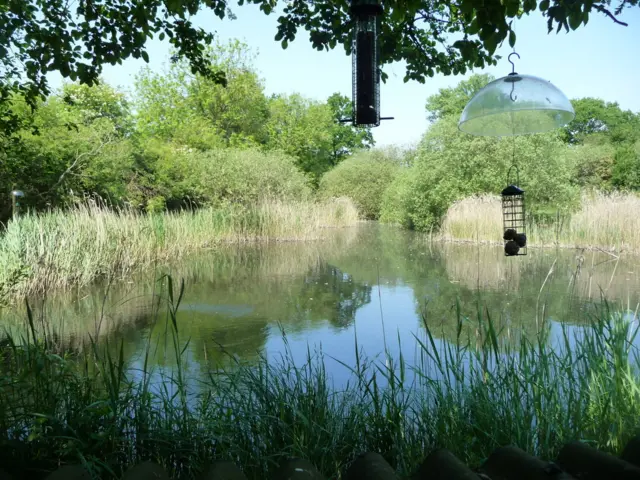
601 9
77 160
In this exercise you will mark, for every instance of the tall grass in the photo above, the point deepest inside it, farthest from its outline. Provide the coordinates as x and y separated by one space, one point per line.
39 252
469 396
609 222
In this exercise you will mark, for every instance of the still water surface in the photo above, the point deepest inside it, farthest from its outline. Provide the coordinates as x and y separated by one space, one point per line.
378 284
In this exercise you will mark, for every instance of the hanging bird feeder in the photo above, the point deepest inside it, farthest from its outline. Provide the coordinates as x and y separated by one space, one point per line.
515 105
365 15
513 217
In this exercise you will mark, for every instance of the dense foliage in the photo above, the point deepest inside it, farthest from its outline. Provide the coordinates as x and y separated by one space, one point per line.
364 178
183 139
598 150
451 165
180 140
78 38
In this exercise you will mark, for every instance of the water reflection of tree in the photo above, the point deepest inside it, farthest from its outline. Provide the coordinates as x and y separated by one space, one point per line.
324 294
518 294
234 296
330 294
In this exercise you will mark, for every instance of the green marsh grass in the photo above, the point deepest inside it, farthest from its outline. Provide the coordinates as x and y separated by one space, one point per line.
59 249
609 222
468 396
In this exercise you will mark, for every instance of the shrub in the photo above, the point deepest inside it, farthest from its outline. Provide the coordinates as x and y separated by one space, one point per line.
626 168
247 176
396 200
363 178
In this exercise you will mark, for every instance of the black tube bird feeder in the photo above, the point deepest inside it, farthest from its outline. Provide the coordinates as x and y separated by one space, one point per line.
365 15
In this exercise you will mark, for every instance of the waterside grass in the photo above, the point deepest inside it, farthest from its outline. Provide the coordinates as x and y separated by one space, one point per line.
469 396
43 252
608 222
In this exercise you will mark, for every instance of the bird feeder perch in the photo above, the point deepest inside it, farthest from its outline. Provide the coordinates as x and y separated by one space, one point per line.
513 217
365 15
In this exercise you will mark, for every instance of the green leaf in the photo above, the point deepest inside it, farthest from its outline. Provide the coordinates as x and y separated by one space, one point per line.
575 19
544 5
512 8
473 27
512 38
491 43
285 44
466 7
145 56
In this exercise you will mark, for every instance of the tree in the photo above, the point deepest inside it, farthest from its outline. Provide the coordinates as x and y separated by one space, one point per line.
80 148
452 100
346 139
594 116
303 129
194 111
77 39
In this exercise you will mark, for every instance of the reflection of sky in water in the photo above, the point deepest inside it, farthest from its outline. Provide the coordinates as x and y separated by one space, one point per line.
400 320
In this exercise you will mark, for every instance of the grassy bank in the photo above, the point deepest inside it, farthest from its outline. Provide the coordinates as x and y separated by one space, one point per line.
469 396
607 222
76 247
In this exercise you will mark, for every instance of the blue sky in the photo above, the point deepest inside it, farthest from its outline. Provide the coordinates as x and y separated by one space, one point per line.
599 60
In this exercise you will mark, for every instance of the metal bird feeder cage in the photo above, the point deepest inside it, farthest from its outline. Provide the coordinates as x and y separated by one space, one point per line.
365 15
513 217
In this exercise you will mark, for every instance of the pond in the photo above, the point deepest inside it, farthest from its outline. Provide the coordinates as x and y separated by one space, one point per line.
374 286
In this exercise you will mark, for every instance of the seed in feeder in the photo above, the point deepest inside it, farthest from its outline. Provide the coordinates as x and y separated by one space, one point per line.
511 248
521 240
509 234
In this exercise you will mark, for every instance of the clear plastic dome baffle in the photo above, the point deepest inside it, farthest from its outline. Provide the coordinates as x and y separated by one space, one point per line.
515 105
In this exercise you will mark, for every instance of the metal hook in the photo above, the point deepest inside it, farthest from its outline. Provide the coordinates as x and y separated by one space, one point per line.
513 66
513 72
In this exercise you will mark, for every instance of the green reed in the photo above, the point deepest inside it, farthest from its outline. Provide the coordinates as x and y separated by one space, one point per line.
73 248
470 395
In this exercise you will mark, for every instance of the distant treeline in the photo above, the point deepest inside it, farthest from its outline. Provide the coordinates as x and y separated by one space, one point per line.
180 140
176 140
599 150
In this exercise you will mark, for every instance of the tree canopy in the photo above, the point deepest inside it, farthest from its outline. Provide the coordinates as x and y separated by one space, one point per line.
78 39
181 139
452 100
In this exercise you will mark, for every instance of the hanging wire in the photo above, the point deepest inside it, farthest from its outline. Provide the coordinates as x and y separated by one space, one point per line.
517 175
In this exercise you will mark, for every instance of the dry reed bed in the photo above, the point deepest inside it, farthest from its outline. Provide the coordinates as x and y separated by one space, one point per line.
76 247
607 222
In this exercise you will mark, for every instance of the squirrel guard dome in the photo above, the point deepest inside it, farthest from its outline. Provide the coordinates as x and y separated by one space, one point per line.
515 105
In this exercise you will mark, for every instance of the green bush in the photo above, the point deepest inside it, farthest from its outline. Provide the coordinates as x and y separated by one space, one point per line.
363 178
396 200
626 167
450 165
182 176
244 176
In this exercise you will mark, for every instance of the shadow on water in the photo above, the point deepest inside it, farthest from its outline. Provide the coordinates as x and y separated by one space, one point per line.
377 282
